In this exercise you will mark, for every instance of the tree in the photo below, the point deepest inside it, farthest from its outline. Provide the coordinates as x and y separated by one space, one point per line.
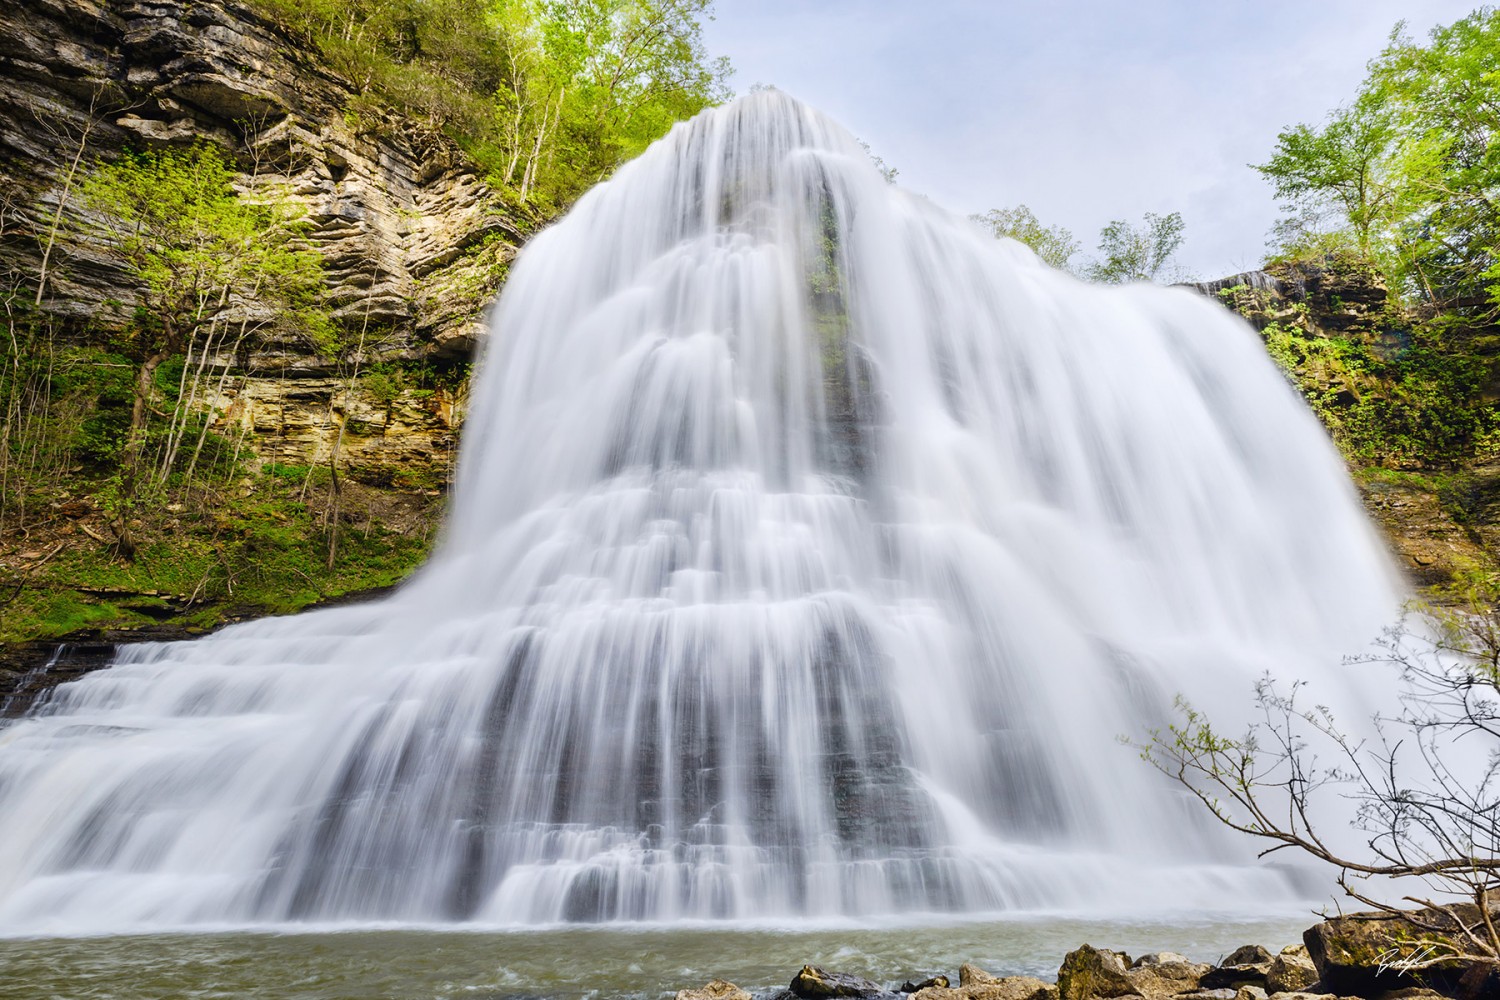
623 72
1426 785
214 267
1342 168
886 170
1137 253
1053 244
548 96
1410 168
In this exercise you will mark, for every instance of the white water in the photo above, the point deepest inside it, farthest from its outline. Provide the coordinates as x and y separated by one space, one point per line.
810 551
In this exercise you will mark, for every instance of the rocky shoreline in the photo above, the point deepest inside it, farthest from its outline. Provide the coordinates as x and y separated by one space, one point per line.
1360 956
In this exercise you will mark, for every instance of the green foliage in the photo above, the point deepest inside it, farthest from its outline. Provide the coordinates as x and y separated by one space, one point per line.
257 548
216 269
1053 244
196 245
1420 405
1408 170
549 96
887 171
385 383
1137 253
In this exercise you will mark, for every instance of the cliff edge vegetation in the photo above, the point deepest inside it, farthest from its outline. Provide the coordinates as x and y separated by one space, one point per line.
1380 296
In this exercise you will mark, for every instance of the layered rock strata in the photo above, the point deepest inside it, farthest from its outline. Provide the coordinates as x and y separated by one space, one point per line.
413 242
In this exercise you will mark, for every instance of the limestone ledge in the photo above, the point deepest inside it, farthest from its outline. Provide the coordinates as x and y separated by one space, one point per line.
408 440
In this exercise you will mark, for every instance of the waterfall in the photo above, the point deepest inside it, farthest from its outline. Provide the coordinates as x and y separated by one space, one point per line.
810 551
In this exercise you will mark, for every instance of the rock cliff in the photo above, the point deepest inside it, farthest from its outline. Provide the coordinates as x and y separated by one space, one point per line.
413 242
1443 525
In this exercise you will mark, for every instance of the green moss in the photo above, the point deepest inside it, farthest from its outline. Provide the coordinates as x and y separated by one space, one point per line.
265 551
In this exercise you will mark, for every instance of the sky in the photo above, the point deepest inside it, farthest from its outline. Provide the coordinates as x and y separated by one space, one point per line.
1084 110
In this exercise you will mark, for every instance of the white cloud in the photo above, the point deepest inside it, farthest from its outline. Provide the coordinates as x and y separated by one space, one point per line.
1086 110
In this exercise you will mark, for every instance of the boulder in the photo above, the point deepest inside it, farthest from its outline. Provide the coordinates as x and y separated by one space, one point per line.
940 982
816 984
1480 982
716 989
1292 971
1233 976
1008 988
971 975
1368 954
1250 954
1090 972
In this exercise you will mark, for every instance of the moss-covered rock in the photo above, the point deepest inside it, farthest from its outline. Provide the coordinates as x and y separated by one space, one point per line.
1370 953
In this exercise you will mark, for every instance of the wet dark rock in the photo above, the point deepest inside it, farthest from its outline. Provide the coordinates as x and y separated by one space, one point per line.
1250 954
1480 982
816 984
1232 977
935 981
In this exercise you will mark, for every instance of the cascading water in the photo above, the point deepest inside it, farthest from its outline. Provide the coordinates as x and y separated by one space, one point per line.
809 553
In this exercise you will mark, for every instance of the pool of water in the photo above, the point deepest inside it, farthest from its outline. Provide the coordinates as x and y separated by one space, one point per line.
577 963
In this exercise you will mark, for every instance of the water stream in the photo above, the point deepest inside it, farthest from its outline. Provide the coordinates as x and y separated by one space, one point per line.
578 964
809 552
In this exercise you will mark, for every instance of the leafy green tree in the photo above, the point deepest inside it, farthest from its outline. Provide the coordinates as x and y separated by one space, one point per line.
1053 244
886 170
214 268
601 80
1410 169
549 96
1342 168
1137 253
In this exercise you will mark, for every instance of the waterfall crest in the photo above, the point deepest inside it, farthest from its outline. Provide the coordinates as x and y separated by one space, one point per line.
809 552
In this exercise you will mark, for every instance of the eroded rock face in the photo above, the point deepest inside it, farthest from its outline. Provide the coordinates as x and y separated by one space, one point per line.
413 242
407 440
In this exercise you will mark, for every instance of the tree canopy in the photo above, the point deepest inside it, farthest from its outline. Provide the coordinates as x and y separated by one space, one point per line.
1408 172
1053 244
1138 253
548 95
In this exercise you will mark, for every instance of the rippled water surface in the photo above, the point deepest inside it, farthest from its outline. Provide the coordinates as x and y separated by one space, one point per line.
572 963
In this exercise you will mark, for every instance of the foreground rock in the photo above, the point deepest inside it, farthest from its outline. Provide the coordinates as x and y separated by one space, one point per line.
1090 973
1368 954
1249 966
1292 971
717 989
1365 956
816 984
976 984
